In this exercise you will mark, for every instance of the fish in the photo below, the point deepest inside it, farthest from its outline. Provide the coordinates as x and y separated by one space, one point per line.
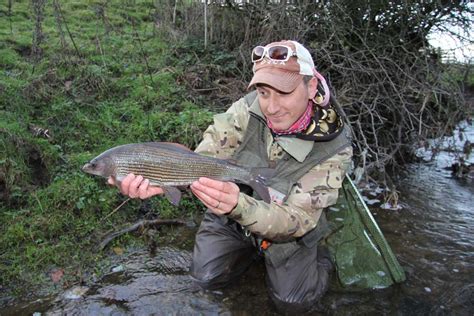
173 166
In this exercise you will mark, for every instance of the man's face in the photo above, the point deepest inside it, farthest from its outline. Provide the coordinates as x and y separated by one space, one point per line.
283 109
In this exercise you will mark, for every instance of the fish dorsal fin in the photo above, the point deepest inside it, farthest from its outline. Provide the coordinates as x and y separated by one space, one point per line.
170 146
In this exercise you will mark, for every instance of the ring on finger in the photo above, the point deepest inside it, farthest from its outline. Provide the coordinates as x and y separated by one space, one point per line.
218 204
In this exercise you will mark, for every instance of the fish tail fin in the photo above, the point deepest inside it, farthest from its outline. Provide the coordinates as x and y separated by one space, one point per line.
258 182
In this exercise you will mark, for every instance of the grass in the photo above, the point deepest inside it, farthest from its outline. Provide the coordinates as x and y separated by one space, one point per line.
111 82
106 74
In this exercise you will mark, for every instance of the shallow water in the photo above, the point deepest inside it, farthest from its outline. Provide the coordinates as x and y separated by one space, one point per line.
431 235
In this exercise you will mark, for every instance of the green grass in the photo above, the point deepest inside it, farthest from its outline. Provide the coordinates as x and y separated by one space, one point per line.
119 86
105 75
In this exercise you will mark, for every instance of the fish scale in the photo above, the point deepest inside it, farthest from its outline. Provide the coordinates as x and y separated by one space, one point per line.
170 165
164 170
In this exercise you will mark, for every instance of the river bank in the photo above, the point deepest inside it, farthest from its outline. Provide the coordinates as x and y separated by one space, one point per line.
431 233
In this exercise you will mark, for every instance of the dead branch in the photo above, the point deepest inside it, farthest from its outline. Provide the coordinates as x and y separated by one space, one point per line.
386 77
59 24
38 35
58 9
138 225
115 210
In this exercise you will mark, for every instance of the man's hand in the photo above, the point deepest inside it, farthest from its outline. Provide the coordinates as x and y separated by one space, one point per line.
136 187
220 197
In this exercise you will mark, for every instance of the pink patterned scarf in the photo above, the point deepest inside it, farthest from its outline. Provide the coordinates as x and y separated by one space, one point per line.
300 125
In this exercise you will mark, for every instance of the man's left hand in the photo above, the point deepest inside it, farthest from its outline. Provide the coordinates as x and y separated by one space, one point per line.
220 197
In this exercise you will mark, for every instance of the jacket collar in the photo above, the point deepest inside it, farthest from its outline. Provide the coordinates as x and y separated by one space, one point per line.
295 147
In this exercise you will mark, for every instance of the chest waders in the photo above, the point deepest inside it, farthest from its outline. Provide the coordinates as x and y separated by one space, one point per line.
358 248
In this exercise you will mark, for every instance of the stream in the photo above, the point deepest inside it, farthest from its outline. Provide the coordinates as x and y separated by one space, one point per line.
431 234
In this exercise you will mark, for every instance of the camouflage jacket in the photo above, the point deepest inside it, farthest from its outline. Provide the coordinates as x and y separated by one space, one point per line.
312 193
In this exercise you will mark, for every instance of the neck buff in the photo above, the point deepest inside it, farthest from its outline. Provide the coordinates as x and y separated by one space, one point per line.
300 125
322 125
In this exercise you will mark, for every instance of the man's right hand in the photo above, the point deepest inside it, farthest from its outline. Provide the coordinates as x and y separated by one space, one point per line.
136 187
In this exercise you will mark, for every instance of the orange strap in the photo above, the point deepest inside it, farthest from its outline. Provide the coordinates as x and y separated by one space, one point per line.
265 244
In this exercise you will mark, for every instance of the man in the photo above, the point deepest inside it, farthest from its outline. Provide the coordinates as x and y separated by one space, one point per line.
290 126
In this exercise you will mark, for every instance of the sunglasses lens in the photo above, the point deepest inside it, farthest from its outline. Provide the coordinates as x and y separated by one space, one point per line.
257 53
278 53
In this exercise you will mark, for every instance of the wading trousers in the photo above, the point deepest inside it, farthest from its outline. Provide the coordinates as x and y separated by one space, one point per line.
297 271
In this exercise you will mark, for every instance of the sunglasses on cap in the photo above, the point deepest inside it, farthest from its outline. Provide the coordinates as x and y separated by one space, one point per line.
276 53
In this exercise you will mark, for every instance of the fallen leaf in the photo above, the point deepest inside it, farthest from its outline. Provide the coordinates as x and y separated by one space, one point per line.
56 275
118 250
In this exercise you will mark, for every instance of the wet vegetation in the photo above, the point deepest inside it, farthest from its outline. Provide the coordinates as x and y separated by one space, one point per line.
66 97
80 77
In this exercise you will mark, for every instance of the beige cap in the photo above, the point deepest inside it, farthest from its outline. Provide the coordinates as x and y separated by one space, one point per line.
283 76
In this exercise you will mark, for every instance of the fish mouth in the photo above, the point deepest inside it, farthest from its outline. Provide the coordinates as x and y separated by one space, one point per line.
87 167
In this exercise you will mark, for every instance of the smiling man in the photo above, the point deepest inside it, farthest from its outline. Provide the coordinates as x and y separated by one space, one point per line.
287 124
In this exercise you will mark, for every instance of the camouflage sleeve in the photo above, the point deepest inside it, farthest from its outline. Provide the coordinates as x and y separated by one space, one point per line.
300 213
222 138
